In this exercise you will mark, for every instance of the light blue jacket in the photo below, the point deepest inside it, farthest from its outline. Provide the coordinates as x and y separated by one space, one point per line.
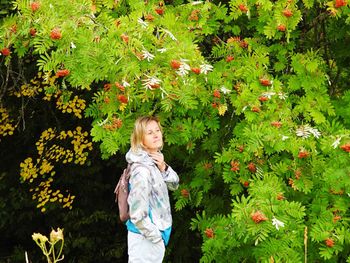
149 206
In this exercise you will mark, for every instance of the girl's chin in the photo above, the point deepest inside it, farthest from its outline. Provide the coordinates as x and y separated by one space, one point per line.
155 148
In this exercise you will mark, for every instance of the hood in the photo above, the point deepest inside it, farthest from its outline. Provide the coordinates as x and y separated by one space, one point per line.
140 156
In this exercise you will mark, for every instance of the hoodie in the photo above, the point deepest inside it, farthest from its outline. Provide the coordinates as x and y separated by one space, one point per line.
148 200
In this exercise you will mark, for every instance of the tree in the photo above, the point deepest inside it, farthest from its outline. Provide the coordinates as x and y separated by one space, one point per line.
245 88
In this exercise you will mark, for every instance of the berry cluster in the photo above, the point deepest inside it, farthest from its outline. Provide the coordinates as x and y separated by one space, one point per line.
258 217
114 124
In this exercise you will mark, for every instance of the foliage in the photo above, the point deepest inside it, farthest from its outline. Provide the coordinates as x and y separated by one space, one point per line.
252 96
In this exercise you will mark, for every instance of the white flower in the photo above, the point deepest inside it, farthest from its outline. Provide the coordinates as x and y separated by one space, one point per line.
183 69
72 45
170 34
336 142
147 55
162 50
282 95
150 82
196 2
205 68
303 131
284 137
277 223
225 90
144 24
306 130
268 94
125 83
315 132
101 123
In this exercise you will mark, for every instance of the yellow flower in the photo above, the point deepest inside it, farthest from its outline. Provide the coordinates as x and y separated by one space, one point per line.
222 109
56 235
37 237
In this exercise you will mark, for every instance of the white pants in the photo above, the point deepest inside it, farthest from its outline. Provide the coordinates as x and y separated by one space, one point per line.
141 250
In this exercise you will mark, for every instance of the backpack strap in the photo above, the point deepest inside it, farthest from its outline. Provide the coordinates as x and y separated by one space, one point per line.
124 178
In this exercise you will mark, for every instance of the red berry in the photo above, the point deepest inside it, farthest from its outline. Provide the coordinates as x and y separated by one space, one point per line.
196 70
281 28
291 182
62 73
119 86
229 58
258 217
280 196
287 13
265 82
346 147
122 98
252 167
55 33
185 193
155 86
303 154
209 232
125 38
246 183
276 124
149 17
243 44
263 98
243 8
340 3
214 105
256 109
207 166
234 166
336 218
13 28
175 64
117 123
35 6
32 32
329 242
107 86
216 93
194 15
159 11
5 51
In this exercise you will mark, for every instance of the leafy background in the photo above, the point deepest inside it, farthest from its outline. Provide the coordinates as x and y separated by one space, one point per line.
252 95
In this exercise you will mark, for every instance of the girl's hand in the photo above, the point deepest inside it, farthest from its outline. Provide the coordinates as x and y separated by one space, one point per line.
158 158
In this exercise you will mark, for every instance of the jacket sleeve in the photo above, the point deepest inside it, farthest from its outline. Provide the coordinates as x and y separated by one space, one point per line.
171 178
138 200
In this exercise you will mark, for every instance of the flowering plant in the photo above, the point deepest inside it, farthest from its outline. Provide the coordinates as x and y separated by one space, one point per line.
47 246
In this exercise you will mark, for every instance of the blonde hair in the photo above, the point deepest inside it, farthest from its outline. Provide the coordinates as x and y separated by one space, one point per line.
140 130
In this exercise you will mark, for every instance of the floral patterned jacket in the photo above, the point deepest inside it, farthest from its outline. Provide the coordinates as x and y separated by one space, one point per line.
148 199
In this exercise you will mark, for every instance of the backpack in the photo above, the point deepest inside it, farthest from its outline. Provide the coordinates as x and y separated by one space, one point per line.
122 192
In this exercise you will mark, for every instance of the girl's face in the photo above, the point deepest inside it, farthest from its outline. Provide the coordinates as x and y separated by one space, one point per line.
152 139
